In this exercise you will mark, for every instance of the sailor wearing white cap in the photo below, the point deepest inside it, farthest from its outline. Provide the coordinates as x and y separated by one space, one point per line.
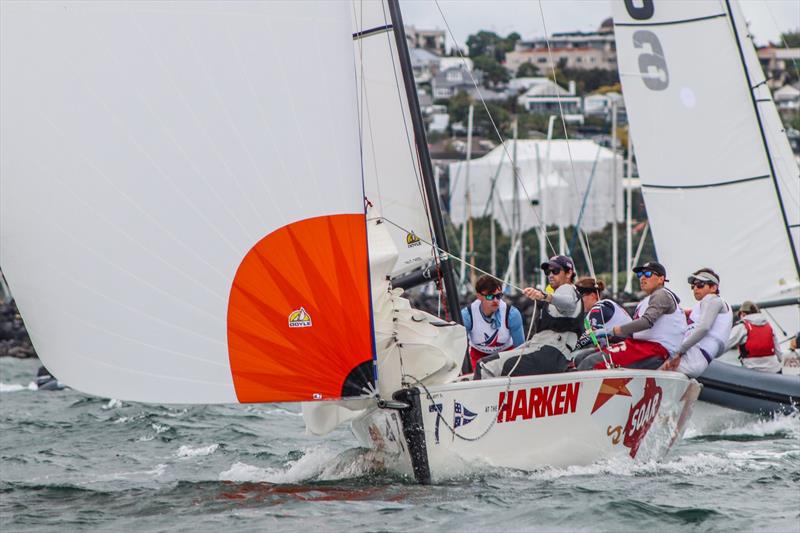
710 323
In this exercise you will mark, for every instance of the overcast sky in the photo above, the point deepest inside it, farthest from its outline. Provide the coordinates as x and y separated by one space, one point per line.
768 18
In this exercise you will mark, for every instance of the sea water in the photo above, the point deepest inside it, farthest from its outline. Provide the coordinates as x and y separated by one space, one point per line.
72 462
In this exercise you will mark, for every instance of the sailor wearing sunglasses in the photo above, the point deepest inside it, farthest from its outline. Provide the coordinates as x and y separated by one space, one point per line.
492 325
558 323
710 324
658 324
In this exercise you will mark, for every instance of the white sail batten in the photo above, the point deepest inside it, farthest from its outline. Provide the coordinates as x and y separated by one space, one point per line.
148 150
392 176
706 176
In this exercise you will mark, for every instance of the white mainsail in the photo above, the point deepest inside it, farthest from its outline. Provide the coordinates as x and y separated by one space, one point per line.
392 176
182 201
719 180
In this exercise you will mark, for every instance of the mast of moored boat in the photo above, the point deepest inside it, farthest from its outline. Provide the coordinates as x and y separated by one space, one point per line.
444 264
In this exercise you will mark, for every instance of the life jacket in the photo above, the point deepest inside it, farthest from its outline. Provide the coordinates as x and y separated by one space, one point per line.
667 329
483 337
715 340
560 324
619 318
759 341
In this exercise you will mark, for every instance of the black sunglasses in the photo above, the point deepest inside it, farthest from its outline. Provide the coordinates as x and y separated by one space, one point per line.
494 296
699 284
553 271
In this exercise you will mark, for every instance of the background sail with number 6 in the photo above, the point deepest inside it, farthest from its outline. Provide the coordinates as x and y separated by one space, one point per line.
720 182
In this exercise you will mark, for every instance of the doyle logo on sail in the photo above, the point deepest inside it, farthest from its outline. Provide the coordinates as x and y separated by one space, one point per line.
538 402
299 319
461 415
412 240
641 416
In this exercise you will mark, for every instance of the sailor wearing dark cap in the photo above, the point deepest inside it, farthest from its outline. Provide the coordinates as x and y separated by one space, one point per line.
657 328
710 323
558 320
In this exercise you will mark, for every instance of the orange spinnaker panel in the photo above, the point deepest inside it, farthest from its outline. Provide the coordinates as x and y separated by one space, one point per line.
299 311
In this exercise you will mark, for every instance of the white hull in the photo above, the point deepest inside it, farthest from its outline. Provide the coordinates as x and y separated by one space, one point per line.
574 418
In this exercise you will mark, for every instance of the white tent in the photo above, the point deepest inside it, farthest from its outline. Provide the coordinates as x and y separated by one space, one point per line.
564 178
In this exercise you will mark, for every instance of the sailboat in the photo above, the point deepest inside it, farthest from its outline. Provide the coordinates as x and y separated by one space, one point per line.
184 221
720 182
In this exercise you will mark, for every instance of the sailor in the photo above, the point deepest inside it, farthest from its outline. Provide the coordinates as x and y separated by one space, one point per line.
603 313
492 325
758 344
558 319
656 330
710 322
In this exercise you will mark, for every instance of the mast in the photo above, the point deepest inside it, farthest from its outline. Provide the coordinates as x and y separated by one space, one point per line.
614 226
773 175
421 141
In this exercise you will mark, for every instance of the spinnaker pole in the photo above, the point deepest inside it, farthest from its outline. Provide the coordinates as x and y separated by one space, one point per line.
421 140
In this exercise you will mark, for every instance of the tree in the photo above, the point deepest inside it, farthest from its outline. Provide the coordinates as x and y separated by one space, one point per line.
488 43
458 108
483 43
791 38
527 70
494 72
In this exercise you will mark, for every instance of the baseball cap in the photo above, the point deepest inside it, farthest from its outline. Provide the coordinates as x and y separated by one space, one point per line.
749 307
652 266
559 261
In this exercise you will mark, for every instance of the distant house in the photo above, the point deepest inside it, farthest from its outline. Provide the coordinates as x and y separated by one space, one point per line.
777 62
520 85
448 83
576 50
424 64
431 40
599 105
447 62
550 98
787 99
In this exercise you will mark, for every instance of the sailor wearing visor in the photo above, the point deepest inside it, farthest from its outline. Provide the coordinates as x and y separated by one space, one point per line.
656 330
710 323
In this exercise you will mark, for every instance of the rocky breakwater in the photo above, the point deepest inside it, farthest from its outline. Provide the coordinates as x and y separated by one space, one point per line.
14 339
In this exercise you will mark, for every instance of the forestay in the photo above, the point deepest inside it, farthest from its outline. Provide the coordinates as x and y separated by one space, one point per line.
393 179
182 207
719 181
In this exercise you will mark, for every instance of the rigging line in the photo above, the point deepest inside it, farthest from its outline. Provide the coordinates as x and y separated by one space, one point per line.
514 171
452 256
566 136
366 116
492 189
783 41
411 149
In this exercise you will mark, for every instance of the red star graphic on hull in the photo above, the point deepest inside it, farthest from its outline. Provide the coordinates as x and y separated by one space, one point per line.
610 388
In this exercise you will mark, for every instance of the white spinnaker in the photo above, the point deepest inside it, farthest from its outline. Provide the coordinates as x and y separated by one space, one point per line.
146 147
392 177
710 194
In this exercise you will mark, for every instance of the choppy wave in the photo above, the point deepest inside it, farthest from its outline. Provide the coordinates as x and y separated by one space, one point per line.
16 387
187 451
719 422
76 463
